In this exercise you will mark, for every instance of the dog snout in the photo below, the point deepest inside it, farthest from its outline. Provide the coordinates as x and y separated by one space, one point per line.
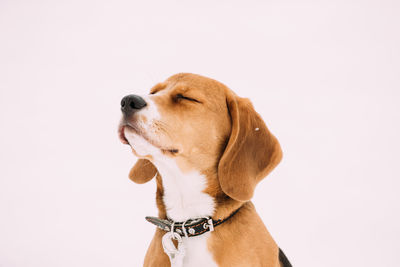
131 104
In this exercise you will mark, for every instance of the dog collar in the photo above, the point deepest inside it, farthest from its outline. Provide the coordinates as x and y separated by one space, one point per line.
191 227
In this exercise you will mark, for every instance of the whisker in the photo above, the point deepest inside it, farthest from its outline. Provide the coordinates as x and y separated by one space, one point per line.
160 126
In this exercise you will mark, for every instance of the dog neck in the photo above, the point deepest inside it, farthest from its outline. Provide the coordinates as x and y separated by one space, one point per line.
182 194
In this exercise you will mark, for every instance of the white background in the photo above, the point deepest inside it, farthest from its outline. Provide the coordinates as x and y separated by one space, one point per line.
323 74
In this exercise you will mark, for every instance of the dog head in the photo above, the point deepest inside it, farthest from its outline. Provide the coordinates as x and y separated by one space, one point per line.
199 124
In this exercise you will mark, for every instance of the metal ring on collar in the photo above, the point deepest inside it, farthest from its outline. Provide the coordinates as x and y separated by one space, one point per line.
172 227
184 229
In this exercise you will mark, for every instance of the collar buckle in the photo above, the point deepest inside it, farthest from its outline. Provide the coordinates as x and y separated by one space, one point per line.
210 224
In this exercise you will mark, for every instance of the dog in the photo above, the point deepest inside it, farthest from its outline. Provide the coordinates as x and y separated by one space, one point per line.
207 149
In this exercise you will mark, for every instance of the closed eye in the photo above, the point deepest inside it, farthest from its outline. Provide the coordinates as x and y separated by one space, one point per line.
180 96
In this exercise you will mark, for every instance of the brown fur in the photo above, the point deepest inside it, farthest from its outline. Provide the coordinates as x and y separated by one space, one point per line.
230 144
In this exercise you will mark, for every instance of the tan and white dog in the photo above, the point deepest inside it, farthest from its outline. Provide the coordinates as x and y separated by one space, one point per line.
207 148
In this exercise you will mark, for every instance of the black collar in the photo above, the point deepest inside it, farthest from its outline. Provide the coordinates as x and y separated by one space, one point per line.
192 227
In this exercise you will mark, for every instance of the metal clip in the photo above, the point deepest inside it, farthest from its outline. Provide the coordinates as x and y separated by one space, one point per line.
175 254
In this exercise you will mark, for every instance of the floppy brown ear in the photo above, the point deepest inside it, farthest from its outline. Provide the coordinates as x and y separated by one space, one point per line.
251 153
143 171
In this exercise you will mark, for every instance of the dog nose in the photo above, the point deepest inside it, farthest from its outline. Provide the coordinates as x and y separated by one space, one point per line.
132 103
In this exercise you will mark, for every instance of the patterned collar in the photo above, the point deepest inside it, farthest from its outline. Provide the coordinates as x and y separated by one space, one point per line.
191 227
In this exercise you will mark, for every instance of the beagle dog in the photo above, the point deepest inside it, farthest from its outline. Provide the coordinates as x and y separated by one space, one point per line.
207 149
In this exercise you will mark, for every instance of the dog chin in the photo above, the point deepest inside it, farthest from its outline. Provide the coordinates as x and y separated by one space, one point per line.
139 144
142 145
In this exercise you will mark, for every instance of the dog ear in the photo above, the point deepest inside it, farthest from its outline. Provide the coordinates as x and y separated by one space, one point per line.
143 171
251 153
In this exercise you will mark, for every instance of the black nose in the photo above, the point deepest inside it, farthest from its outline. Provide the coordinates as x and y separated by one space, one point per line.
132 103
